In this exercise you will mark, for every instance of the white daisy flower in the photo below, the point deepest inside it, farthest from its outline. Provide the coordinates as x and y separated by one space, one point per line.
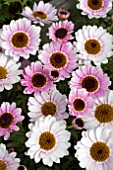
95 149
94 44
48 140
9 73
8 160
102 113
47 103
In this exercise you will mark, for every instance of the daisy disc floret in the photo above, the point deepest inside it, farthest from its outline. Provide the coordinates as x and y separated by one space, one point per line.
20 38
92 79
79 102
94 150
9 117
36 78
48 140
58 57
47 103
8 161
9 72
61 31
95 8
102 113
42 13
92 44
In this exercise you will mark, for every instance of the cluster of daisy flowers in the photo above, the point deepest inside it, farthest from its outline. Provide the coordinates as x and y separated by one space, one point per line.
76 57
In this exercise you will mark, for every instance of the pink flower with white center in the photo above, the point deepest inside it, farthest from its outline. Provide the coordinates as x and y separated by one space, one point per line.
92 79
20 39
60 32
47 103
59 57
95 8
8 161
63 14
43 13
9 117
79 102
92 44
36 78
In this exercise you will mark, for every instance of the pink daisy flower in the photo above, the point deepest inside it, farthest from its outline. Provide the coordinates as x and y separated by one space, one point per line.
9 117
43 13
95 8
79 102
20 38
61 31
58 57
63 14
36 78
92 79
47 103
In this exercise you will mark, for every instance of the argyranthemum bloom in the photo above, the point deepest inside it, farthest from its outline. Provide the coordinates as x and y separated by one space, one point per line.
95 8
61 31
94 44
95 149
8 160
48 140
20 38
9 73
92 79
43 13
63 14
47 103
58 57
79 102
78 123
9 117
36 78
102 113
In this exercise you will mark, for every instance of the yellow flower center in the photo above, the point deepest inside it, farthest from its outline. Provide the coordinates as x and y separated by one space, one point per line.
99 151
40 14
104 113
95 4
3 73
3 165
48 108
92 46
47 141
6 120
38 80
79 104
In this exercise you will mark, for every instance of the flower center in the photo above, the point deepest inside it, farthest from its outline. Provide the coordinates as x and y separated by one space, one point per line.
63 13
20 40
79 104
104 113
48 108
92 46
3 165
95 4
54 73
61 33
79 122
90 83
99 151
6 120
22 167
40 14
38 80
3 73
58 60
47 141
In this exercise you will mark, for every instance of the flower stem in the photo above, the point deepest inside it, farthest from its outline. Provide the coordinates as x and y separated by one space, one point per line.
111 28
69 127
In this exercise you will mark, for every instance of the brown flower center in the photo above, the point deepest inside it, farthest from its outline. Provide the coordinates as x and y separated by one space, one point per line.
47 141
54 73
22 167
6 120
90 83
3 73
61 33
3 165
95 4
99 151
104 113
58 60
79 122
79 104
48 108
92 46
39 14
38 80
